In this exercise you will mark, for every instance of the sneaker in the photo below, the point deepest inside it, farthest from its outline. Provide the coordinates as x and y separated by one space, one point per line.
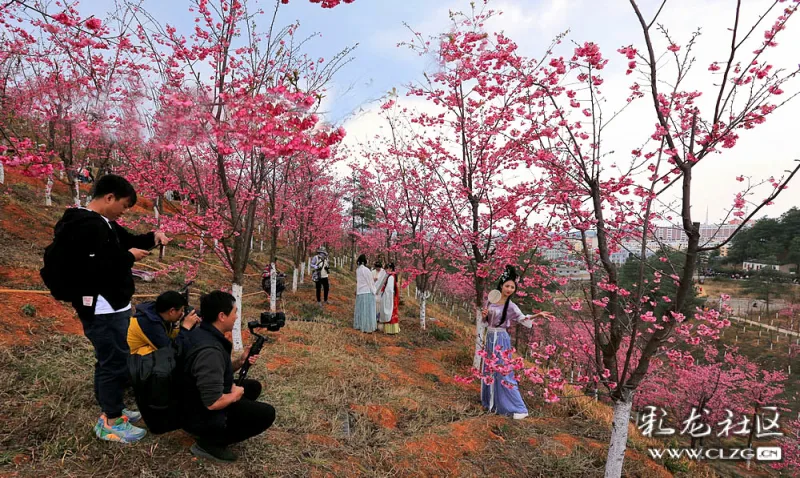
120 431
519 416
133 415
216 453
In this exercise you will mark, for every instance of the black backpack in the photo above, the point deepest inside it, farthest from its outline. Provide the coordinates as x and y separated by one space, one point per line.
63 273
156 379
59 270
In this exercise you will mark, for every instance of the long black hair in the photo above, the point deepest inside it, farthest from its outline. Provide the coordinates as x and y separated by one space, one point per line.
510 274
362 260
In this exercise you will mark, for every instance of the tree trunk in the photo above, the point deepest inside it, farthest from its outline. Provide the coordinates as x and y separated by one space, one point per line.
158 226
273 246
2 174
752 433
294 280
302 270
236 335
619 435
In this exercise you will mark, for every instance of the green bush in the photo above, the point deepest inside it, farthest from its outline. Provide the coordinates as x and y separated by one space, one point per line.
441 334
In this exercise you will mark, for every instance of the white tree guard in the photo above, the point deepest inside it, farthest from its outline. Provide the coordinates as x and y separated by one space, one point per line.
76 198
619 436
480 337
48 190
236 335
294 280
423 301
273 288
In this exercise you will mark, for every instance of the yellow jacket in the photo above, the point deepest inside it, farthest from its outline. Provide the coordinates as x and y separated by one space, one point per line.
147 331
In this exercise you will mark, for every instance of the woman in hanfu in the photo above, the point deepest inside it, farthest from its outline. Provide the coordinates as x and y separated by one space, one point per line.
379 276
390 314
364 314
502 396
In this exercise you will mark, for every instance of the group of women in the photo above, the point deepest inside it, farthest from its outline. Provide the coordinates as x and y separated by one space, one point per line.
377 298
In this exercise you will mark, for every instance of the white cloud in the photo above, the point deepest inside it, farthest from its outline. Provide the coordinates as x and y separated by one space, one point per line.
760 153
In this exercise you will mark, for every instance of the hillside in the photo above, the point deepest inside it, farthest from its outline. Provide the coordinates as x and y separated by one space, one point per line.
348 404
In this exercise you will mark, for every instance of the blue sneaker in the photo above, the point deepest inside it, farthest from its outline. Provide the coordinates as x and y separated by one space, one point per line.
133 415
120 431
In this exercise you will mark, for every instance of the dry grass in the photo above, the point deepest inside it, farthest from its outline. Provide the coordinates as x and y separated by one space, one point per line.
349 404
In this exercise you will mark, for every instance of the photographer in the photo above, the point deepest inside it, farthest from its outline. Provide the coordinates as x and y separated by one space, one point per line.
320 269
218 412
155 324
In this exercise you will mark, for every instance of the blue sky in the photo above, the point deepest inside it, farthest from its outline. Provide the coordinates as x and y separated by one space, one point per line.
376 25
379 65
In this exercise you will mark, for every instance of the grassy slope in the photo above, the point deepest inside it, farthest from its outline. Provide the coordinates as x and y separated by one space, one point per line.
349 404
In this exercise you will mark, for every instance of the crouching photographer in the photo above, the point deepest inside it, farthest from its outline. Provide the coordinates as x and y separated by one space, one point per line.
217 411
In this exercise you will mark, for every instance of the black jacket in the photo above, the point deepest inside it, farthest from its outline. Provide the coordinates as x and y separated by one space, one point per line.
207 375
101 253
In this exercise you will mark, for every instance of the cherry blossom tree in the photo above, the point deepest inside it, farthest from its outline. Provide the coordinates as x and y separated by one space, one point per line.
613 206
66 81
471 146
400 187
790 444
228 143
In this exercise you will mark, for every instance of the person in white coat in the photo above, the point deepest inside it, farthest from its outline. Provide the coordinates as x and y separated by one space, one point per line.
364 314
389 316
379 273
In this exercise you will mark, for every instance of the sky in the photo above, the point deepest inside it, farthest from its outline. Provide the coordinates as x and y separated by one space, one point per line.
379 65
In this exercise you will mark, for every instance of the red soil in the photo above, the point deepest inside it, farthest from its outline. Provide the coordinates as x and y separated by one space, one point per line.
18 223
565 445
16 327
441 451
382 416
18 278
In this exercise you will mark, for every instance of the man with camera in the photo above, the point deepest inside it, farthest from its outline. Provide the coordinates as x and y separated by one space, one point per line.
320 269
156 324
217 411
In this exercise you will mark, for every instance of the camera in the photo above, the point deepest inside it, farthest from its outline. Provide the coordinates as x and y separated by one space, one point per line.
270 321
184 291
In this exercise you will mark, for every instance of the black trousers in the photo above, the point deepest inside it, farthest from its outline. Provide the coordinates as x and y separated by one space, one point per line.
243 419
108 333
323 283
